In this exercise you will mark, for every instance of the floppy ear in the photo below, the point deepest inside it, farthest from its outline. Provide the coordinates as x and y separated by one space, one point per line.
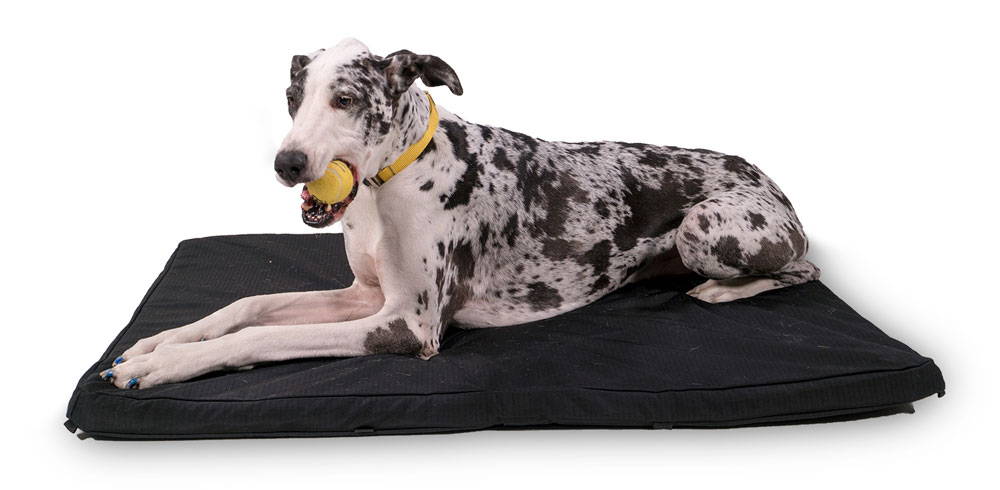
403 67
300 61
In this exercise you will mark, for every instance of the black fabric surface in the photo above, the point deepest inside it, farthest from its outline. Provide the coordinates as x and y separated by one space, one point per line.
644 356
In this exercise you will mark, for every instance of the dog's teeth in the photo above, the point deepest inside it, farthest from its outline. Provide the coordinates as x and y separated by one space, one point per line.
306 206
329 207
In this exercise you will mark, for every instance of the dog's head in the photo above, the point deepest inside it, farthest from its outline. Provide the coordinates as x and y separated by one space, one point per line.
344 105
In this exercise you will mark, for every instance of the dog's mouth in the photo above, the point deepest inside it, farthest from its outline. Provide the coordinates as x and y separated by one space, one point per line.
318 214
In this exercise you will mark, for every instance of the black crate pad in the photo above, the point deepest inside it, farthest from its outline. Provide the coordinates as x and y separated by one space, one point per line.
646 356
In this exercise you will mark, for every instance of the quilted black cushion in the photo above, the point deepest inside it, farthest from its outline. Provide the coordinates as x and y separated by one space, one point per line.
645 356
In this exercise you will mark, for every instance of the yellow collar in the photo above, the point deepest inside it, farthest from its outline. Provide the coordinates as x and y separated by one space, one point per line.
411 154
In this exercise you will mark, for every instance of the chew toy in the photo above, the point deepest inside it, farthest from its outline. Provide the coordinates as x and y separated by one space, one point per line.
335 185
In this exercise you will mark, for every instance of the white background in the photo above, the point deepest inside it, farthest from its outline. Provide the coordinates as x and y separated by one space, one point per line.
127 127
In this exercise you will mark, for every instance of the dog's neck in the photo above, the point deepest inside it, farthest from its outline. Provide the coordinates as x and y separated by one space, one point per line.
409 123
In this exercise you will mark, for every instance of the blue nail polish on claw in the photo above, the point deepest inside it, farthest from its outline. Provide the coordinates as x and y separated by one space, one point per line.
118 360
132 383
106 375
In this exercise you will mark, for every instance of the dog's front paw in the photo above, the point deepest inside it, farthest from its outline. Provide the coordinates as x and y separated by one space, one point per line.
169 363
180 335
145 346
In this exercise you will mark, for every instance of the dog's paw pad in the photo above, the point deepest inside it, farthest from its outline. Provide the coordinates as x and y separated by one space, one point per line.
118 360
107 375
132 384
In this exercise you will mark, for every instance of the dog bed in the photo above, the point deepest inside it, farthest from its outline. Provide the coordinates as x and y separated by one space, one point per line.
646 356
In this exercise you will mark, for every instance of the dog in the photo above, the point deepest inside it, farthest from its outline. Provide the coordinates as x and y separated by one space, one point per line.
487 228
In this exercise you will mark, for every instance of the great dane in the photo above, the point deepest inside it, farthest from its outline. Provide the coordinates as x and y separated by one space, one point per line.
487 228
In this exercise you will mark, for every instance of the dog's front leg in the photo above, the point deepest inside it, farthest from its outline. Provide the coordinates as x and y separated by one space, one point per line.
391 330
356 301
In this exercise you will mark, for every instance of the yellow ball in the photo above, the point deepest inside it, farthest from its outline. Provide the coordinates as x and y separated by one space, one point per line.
335 185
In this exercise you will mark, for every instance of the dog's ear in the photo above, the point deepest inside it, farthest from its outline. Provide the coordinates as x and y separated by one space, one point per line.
403 67
300 61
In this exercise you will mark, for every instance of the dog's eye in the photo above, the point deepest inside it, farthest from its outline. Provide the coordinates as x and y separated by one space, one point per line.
343 102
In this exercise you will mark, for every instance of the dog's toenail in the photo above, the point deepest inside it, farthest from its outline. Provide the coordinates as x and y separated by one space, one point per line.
118 360
132 383
107 375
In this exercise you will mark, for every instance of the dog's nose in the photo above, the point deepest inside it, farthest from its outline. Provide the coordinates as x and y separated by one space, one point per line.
289 164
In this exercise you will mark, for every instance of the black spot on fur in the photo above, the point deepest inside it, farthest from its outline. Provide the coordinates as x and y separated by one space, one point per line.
692 187
458 294
652 211
771 257
464 260
587 149
558 248
598 257
727 250
439 282
510 230
484 234
470 178
733 163
394 338
757 220
501 161
535 183
798 240
740 167
431 147
542 297
652 159
600 284
426 186
704 223
557 210
601 208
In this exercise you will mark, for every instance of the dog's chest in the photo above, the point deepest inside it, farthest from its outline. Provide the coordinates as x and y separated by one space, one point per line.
362 230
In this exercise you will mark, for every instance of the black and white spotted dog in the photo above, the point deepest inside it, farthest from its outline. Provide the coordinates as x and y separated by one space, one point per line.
487 228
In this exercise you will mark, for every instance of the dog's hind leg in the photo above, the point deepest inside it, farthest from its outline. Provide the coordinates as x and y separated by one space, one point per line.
722 290
338 305
745 242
